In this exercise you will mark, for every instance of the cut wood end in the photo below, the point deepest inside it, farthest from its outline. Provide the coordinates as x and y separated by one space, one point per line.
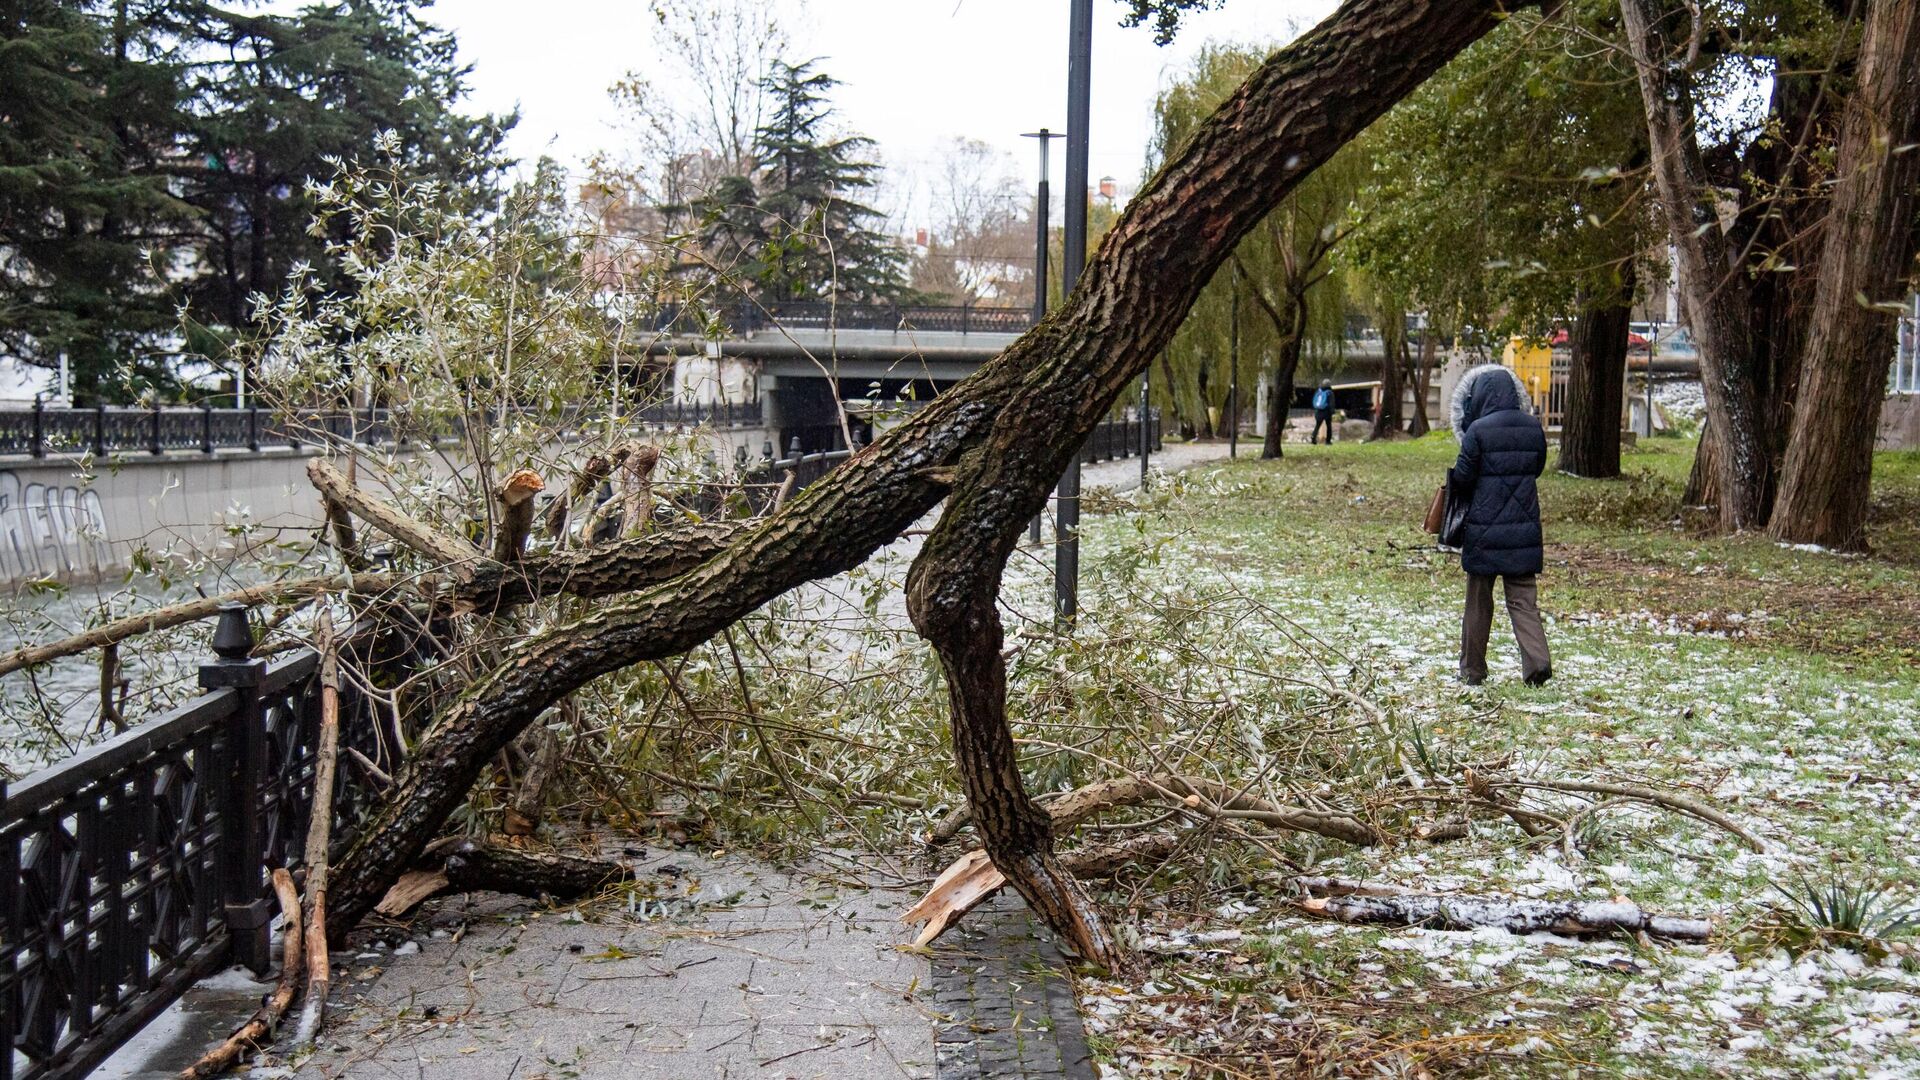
1314 903
413 887
521 486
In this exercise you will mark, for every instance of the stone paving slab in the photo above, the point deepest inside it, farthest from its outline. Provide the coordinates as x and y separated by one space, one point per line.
1008 997
735 970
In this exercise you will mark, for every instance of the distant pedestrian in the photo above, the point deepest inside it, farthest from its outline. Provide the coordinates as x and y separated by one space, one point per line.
1502 452
1322 412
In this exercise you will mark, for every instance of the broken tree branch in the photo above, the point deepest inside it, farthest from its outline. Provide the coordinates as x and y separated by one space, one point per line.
1571 917
465 865
1672 800
260 1027
453 552
319 835
162 618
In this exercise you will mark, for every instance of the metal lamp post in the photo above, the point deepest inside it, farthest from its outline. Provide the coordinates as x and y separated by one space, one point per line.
1040 258
1066 565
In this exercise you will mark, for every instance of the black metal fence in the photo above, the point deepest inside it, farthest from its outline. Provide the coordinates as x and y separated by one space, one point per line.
817 315
40 431
1116 439
141 863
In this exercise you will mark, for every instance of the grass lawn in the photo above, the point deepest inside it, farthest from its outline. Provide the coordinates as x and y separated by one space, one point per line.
1780 684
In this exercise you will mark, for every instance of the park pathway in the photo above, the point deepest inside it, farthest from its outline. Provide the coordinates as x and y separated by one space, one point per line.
718 967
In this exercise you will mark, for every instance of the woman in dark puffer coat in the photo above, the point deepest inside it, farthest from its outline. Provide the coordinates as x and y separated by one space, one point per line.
1502 452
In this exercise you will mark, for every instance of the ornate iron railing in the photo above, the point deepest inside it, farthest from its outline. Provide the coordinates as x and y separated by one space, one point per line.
819 315
41 431
141 863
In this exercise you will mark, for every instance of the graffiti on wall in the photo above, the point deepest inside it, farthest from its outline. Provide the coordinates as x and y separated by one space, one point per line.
50 531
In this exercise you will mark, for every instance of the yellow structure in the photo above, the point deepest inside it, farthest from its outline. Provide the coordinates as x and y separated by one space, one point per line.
1532 360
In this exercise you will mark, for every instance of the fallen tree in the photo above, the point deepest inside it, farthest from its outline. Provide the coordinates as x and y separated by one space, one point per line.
990 447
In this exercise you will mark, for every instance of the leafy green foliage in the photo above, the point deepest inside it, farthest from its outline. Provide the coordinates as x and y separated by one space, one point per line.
1509 186
1282 280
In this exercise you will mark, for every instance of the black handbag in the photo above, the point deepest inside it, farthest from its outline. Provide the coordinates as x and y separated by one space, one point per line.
1453 519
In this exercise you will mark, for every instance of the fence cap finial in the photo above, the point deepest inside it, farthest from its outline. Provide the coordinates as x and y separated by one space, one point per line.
232 639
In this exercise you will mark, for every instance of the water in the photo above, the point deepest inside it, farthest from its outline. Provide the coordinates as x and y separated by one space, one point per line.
51 711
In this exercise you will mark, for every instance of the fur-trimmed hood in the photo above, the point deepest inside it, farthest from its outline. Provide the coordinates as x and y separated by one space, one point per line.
1475 395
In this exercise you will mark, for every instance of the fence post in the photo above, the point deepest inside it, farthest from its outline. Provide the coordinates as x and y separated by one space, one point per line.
39 427
100 429
253 428
9 932
206 427
153 431
242 856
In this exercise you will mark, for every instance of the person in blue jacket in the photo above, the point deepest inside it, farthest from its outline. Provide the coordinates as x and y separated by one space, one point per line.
1502 453
1322 412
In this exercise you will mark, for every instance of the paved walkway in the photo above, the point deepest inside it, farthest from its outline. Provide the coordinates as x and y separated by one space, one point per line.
1124 475
714 968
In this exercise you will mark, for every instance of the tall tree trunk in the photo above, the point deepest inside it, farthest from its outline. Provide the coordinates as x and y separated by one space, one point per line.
1710 272
1201 380
1703 480
1597 384
1286 366
1422 383
1864 274
1393 336
992 447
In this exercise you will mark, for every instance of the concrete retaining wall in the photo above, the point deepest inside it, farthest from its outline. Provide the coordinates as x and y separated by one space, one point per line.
59 522
56 521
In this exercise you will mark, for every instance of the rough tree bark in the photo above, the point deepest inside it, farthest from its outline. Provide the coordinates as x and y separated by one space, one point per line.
1393 347
992 446
1711 276
1866 267
1596 385
1422 384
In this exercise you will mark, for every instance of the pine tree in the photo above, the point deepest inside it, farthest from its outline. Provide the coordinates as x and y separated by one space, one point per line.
820 240
85 206
299 94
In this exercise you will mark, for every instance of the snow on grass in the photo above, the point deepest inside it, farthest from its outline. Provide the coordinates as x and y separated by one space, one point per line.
1811 754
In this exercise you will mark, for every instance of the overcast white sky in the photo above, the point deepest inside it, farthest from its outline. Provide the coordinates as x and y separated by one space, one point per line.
917 73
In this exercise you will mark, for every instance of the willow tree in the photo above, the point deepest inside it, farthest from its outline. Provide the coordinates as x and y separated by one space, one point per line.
1509 197
1282 294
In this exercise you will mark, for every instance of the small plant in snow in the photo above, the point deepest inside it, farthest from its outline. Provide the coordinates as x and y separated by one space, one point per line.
1841 913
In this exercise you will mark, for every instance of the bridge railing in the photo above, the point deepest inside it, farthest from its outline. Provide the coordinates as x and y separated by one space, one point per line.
141 863
819 315
42 431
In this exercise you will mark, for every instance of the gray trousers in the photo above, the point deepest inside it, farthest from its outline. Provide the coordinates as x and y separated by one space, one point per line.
1523 607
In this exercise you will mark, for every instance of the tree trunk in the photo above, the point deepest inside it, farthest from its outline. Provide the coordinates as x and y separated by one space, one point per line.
1422 382
992 446
1703 480
1711 275
1386 420
1201 380
1864 274
1596 385
1286 365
